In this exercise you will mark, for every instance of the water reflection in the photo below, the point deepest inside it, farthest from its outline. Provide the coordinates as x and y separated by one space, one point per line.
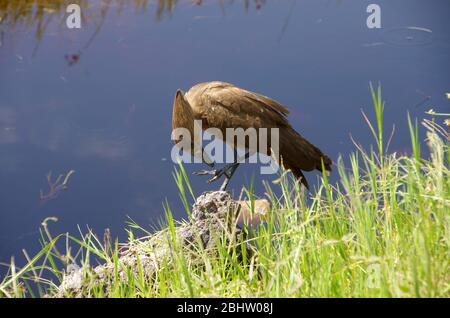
76 129
408 36
38 14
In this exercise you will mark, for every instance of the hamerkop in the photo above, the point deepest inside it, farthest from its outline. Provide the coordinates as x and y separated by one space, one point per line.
223 105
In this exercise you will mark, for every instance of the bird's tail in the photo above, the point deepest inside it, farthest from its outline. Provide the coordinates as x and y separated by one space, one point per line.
298 154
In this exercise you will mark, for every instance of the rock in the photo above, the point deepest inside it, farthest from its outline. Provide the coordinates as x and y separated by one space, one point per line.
214 216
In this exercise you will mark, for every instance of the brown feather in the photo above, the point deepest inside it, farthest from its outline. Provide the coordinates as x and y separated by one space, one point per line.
223 105
299 154
182 114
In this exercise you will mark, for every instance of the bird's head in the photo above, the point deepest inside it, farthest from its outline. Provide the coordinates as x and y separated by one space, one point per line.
182 116
179 95
180 104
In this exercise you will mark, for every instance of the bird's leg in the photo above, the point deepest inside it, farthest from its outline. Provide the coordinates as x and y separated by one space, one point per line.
233 168
228 176
228 170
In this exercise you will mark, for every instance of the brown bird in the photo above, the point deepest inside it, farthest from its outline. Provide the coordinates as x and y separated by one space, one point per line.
223 105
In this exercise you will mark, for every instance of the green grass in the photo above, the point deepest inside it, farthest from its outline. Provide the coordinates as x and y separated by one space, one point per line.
381 231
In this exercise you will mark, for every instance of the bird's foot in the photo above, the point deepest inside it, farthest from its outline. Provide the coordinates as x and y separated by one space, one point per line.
217 173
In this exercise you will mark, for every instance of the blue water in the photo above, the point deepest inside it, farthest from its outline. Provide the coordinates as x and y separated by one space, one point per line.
107 115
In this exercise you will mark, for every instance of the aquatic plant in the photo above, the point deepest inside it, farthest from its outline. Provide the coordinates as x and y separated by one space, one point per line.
55 187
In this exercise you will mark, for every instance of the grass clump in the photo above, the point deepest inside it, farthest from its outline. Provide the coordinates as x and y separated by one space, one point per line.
382 231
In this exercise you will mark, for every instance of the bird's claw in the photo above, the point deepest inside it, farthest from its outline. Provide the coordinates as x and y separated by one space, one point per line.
214 178
205 172
217 173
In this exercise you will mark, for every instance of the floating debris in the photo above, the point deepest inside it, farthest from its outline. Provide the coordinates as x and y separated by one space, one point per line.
56 187
373 44
72 59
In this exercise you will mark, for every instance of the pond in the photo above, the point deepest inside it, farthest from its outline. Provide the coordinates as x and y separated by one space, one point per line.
94 104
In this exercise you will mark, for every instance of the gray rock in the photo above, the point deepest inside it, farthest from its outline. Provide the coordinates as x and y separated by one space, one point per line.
214 216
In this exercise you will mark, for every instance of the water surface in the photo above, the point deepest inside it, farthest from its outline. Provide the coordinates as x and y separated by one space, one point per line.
98 100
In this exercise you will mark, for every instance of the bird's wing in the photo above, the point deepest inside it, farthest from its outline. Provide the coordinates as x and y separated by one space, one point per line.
225 105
